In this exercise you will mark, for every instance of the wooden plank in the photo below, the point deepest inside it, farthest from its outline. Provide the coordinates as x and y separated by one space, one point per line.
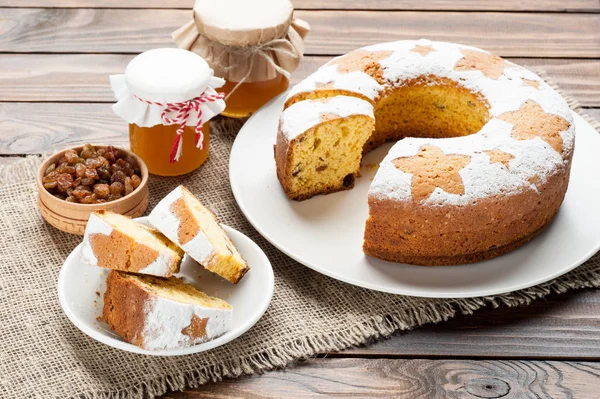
84 77
561 327
334 32
448 5
418 378
33 128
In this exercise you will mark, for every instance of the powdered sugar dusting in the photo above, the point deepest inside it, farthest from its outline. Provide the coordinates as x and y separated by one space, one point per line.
95 225
165 320
161 217
357 82
532 159
160 266
304 115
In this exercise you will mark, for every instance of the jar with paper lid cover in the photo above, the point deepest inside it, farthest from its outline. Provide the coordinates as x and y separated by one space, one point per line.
168 97
254 45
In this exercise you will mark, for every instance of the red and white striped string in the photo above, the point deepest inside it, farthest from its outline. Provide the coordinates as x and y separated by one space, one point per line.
183 110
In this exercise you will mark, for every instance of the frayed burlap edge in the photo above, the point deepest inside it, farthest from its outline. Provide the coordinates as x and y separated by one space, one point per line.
367 332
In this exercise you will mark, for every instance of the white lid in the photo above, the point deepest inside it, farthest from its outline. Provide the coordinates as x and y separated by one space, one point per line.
167 75
243 22
164 76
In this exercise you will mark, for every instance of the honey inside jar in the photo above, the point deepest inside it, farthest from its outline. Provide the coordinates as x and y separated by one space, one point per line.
249 97
153 145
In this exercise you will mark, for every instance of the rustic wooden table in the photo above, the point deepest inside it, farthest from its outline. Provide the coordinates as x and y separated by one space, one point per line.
55 58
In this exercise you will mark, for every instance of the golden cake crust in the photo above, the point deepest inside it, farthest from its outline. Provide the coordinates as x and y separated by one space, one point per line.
123 293
401 232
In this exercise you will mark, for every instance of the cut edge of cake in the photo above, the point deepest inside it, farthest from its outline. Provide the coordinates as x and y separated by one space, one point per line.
320 144
184 220
162 313
114 241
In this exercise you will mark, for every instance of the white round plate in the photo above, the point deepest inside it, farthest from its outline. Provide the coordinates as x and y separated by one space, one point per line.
81 289
325 232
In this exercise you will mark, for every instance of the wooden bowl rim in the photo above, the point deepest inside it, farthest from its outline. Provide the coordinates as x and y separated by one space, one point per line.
43 193
83 222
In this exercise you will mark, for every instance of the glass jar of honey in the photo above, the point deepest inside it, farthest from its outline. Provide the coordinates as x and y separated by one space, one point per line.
254 45
168 97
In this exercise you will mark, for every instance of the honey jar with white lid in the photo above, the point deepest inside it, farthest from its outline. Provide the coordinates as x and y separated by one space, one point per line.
254 45
168 97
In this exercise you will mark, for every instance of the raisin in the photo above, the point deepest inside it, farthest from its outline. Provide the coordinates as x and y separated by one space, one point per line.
93 163
70 198
128 170
64 168
64 181
80 170
71 156
86 181
136 181
89 199
103 172
104 161
102 190
80 192
118 176
100 152
50 185
113 197
62 161
128 186
50 168
88 151
117 188
91 174
121 163
348 180
110 157
131 161
114 168
50 177
77 182
85 154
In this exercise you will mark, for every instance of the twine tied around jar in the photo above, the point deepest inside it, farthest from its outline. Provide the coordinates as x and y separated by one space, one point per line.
183 110
241 62
277 47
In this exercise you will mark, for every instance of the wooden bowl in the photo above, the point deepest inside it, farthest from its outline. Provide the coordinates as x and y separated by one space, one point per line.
72 217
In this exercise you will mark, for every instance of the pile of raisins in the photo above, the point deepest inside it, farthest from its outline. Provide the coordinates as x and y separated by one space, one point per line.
93 176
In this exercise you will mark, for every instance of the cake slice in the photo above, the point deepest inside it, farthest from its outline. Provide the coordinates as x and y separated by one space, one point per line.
186 222
320 145
162 313
117 242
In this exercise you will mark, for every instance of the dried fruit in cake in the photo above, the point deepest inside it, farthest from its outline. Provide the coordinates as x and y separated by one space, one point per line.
184 220
117 242
158 313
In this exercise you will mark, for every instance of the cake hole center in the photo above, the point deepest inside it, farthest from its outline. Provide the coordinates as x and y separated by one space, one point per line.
428 106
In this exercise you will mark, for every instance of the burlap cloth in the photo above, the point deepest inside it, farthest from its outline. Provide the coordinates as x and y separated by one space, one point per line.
43 355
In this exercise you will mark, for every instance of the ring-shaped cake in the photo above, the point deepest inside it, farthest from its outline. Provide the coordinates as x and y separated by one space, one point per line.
483 152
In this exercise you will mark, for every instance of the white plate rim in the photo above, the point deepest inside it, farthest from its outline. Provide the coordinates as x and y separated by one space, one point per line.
198 348
406 292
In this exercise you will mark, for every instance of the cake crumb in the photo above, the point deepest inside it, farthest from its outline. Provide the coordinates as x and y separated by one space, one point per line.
371 167
98 293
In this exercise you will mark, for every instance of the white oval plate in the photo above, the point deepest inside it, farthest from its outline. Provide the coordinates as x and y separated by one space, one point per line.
81 289
325 233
